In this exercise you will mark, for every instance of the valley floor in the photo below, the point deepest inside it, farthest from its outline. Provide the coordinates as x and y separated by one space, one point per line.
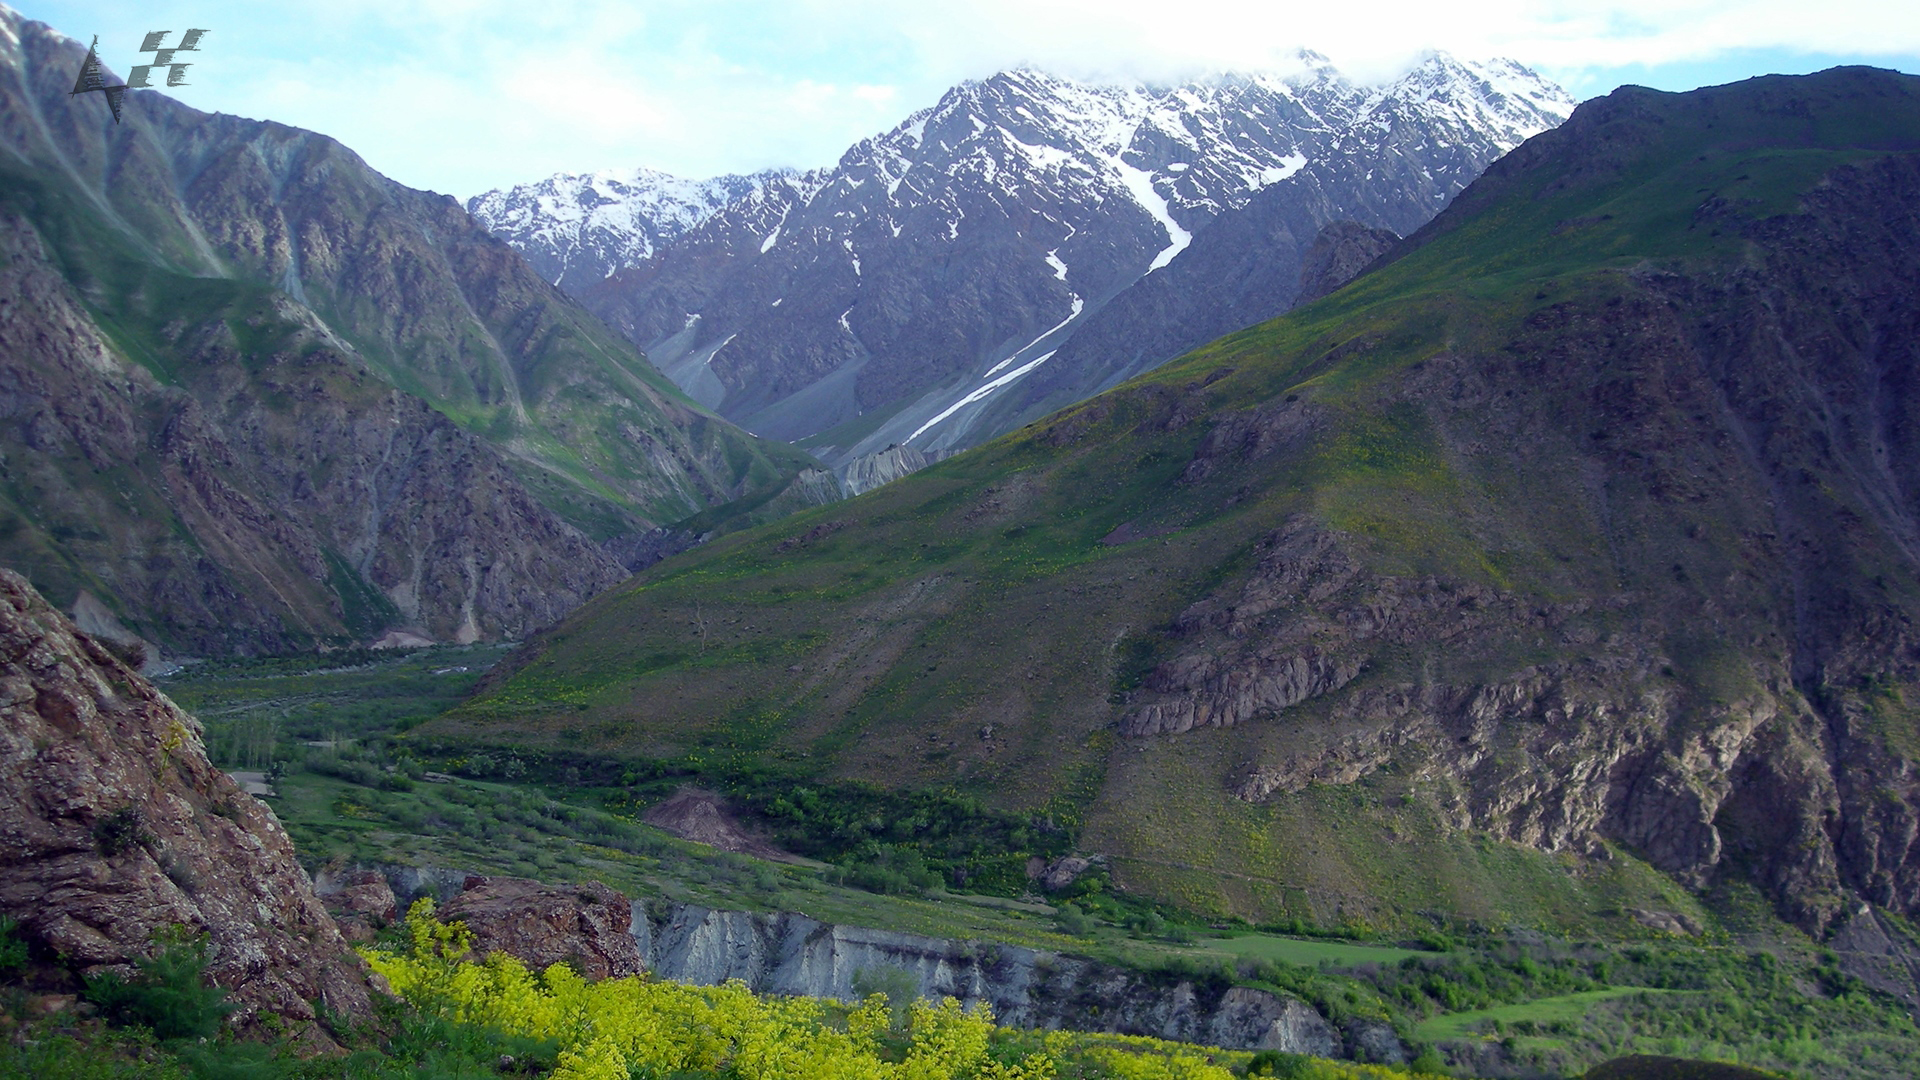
354 790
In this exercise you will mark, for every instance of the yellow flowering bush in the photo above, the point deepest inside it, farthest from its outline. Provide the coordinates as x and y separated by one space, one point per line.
618 1029
610 1029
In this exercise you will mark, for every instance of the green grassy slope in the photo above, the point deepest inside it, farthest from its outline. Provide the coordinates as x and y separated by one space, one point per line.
1536 501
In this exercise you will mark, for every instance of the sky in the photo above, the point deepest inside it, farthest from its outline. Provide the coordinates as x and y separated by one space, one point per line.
460 96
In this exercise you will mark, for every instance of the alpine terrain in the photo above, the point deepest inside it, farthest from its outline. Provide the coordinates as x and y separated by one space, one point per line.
1562 569
578 228
258 397
945 267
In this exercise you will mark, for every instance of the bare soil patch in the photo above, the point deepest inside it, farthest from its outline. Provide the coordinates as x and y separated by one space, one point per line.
702 816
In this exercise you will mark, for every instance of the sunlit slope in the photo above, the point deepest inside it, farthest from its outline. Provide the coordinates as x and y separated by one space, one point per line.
1579 539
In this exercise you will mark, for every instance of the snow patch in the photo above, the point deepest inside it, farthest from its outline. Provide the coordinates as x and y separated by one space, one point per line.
1289 165
1139 184
1078 306
980 394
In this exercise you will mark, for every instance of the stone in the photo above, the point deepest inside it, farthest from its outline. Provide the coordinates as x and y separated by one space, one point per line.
362 896
1063 872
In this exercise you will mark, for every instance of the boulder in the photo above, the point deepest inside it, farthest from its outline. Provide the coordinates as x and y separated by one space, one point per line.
587 927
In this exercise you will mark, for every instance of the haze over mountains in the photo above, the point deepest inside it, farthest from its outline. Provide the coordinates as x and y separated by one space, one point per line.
926 289
258 397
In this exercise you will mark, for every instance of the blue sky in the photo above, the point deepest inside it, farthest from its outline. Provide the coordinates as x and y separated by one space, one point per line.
464 95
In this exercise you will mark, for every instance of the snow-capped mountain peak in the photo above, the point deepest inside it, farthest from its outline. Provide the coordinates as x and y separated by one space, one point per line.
577 228
943 264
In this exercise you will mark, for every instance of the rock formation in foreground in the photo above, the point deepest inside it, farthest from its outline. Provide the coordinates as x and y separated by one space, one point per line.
114 825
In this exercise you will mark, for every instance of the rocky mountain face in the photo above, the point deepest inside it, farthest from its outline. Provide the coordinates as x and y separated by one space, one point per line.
114 826
259 397
575 229
945 264
1560 569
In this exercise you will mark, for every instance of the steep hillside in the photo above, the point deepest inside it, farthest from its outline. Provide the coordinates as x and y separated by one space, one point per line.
1581 540
884 300
260 396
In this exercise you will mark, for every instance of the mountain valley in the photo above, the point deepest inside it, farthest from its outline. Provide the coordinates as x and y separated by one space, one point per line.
1383 582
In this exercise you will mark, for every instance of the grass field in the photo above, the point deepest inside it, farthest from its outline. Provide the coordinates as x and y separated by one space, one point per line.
1566 1007
1310 953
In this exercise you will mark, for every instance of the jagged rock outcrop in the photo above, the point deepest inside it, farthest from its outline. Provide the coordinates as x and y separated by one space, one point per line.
584 926
360 901
884 466
113 826
1338 255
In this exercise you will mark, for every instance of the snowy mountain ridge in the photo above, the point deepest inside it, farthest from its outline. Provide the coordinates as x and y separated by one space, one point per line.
892 298
577 228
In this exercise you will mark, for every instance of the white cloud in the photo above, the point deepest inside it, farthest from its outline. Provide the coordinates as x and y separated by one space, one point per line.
461 95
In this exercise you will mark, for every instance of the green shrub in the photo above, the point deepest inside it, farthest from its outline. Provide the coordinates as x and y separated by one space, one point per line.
169 994
13 951
1280 1065
119 831
886 869
1071 920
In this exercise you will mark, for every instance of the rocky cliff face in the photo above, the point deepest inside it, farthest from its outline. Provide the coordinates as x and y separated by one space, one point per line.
787 953
113 825
584 926
257 499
